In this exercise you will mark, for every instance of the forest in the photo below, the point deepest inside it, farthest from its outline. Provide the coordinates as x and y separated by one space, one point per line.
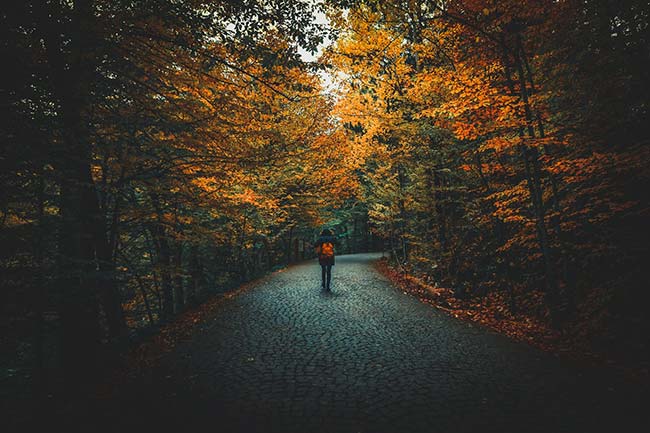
157 153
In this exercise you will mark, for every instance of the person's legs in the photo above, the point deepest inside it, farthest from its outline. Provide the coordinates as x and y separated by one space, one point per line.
323 273
329 276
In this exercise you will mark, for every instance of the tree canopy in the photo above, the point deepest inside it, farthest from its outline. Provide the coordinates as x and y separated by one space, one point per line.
156 152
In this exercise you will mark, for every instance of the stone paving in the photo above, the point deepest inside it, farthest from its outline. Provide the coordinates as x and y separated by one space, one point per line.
284 356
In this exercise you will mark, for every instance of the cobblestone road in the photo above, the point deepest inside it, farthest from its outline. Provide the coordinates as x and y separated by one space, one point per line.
285 356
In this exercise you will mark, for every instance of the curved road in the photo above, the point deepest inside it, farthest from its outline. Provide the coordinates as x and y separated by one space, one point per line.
284 356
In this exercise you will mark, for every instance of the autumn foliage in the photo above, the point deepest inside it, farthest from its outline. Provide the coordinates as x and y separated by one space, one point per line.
506 154
155 153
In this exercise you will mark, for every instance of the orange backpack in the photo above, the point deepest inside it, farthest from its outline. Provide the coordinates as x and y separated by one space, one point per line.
327 249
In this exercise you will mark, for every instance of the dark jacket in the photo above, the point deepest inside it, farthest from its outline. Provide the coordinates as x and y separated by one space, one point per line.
325 261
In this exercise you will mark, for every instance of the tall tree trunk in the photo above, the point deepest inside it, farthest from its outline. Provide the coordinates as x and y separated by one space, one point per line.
555 198
40 297
141 286
107 240
196 274
109 289
80 329
163 259
288 246
163 263
532 164
440 210
179 293
402 213
496 222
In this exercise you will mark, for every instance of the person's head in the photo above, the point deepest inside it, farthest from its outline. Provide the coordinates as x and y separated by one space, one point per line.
326 232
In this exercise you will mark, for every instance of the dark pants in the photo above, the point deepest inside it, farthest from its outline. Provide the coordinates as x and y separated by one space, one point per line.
327 275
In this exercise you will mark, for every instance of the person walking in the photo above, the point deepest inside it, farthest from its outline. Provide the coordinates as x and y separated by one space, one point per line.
325 250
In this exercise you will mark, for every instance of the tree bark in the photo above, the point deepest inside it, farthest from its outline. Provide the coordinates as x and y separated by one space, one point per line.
109 289
440 211
72 73
532 167
196 273
179 292
41 292
164 262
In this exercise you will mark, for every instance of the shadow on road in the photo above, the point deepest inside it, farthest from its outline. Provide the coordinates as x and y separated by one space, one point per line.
330 294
